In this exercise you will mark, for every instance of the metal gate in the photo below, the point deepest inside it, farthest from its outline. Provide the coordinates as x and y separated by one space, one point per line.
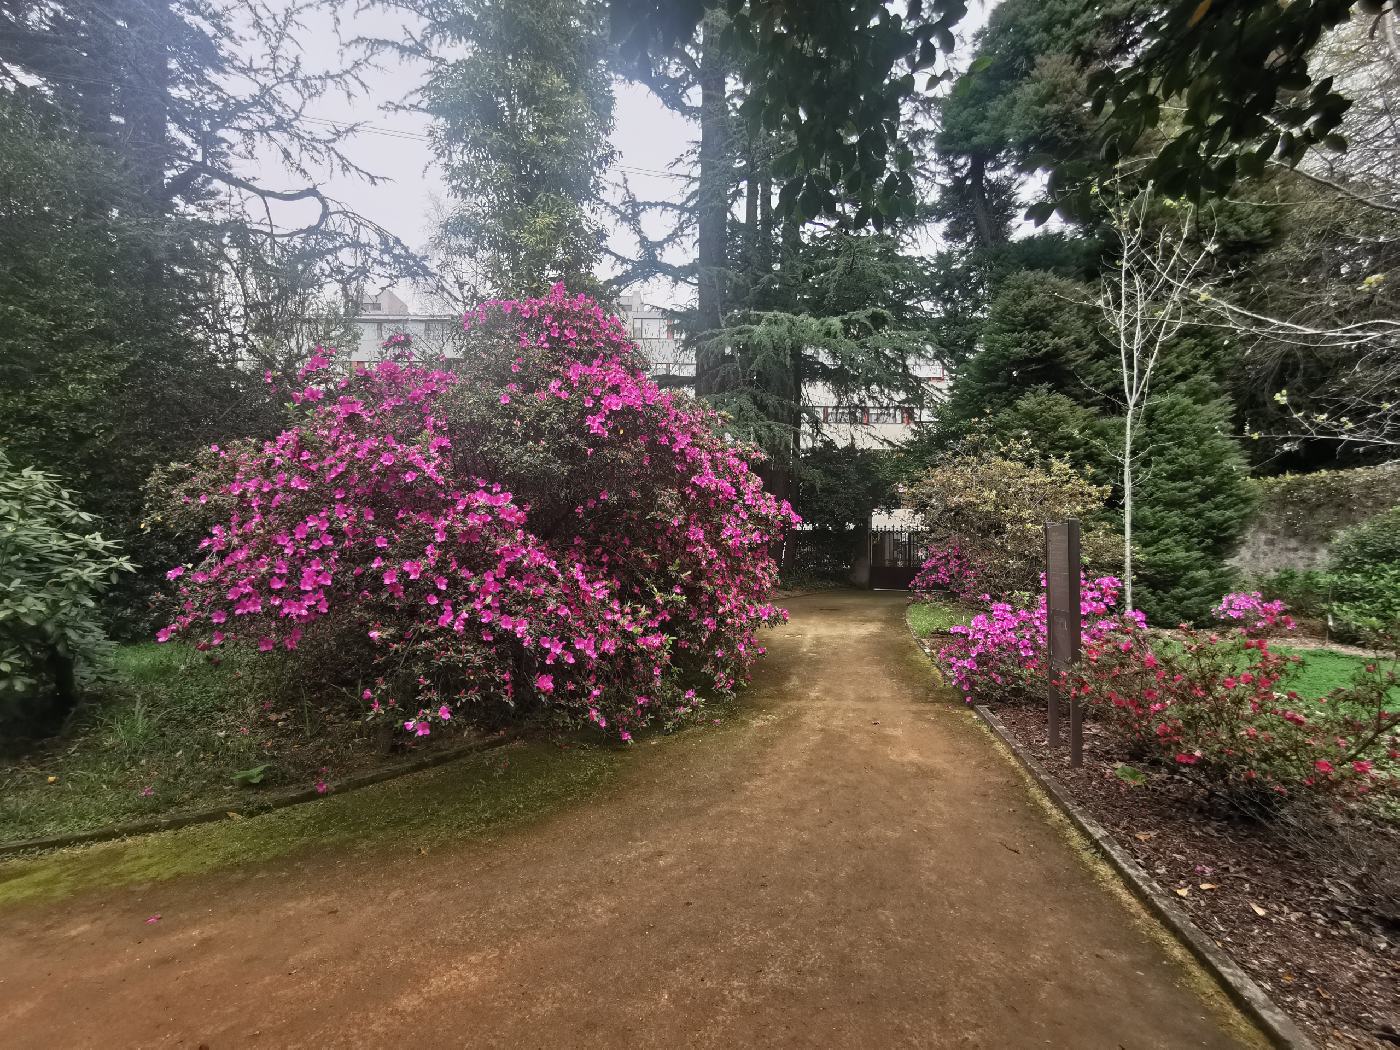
895 557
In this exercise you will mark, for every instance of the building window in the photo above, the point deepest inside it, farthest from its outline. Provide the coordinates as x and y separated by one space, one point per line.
850 414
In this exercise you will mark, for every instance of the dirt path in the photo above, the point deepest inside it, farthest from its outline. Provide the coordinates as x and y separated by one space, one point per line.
855 867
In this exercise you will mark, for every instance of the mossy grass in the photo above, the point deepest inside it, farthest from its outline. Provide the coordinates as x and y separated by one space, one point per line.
483 793
480 795
927 618
1322 671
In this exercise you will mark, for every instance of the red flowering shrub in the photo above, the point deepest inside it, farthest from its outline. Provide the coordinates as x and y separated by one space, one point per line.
542 528
1211 707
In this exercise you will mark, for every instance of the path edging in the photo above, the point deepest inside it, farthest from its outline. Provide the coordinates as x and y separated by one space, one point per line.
265 804
1243 989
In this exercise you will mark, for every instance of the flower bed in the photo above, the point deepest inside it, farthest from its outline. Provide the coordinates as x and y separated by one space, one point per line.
1000 653
1268 813
1307 907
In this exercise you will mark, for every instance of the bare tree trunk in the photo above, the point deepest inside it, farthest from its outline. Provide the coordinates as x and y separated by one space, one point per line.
1128 511
752 183
765 207
987 231
712 207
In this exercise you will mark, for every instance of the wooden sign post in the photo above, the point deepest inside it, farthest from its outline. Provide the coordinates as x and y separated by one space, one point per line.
1062 628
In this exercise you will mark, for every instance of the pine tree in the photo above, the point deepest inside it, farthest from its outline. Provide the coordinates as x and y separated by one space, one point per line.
520 125
1038 333
1055 425
1193 506
842 311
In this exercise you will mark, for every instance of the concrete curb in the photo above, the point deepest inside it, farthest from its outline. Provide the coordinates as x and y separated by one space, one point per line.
1238 985
265 804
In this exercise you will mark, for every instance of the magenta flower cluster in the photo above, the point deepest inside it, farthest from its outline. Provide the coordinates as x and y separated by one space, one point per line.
383 518
1001 653
948 569
1249 610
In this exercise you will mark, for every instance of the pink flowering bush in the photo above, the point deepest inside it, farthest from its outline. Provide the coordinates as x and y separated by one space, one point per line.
539 529
1250 611
947 569
1211 706
1001 653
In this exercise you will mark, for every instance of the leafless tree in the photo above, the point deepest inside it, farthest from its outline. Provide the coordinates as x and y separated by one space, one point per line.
1143 299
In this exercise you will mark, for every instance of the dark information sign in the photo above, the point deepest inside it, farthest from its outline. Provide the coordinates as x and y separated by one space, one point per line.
1062 626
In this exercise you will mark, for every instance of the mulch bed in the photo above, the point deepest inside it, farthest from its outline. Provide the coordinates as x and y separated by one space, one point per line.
1309 908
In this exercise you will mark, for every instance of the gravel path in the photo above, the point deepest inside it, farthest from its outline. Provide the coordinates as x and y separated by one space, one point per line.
856 865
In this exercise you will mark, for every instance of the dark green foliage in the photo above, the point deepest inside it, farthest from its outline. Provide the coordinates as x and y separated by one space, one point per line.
521 125
841 485
1366 603
1365 560
134 304
53 567
1361 605
1023 103
829 77
1236 73
845 311
103 374
1039 332
1192 507
1055 425
1375 542
837 488
1242 92
963 282
1307 592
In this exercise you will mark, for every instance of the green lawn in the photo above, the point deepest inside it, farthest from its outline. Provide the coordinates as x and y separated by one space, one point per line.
1321 671
934 617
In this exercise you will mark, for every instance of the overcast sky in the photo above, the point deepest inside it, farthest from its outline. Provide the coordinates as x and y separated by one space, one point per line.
394 145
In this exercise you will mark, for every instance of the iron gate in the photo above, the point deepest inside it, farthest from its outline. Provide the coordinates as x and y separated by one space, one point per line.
895 557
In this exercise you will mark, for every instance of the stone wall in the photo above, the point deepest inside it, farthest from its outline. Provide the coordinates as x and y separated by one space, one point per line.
1300 513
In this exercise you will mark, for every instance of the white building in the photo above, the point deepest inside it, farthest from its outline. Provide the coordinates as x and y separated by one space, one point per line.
866 423
386 315
658 336
869 423
875 422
